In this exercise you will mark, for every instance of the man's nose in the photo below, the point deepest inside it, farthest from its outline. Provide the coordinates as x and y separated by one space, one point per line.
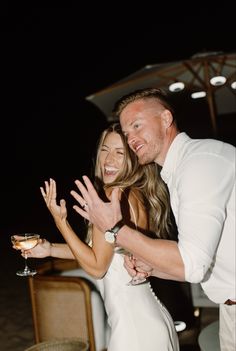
131 140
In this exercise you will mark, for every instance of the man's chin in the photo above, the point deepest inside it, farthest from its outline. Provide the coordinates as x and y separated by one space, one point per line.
142 160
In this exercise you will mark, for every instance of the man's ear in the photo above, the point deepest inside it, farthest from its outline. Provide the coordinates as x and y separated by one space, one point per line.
167 118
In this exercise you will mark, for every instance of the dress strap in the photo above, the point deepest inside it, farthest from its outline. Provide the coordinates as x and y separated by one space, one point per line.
131 208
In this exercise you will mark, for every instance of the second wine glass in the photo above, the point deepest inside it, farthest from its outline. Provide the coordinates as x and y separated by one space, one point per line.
136 280
24 242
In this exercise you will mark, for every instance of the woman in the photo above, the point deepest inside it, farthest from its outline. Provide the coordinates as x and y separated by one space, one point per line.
137 318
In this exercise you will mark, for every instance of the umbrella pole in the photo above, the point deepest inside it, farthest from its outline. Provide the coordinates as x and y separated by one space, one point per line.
210 98
211 104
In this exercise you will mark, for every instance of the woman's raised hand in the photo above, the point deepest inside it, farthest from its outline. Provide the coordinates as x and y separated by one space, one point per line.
49 193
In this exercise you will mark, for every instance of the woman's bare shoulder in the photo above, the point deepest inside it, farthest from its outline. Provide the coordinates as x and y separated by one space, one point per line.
133 195
136 196
138 211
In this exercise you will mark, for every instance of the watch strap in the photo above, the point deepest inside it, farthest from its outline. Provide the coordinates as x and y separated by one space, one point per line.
117 227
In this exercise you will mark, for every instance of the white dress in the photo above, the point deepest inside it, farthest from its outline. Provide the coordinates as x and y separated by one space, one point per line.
138 320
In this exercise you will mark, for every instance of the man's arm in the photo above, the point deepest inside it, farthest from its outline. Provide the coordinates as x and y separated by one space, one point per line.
162 255
141 269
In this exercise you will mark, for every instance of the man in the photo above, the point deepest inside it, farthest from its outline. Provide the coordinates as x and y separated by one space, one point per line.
200 175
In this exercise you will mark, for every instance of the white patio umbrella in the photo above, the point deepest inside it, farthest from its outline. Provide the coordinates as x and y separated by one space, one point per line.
195 74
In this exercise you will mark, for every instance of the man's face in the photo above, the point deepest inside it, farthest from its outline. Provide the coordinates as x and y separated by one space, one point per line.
143 123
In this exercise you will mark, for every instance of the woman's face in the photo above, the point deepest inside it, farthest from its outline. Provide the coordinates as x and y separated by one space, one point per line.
111 158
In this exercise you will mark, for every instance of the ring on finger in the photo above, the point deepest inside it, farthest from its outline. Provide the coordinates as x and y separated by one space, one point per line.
84 206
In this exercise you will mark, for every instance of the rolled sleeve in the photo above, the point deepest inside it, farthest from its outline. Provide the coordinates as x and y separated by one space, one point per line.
194 270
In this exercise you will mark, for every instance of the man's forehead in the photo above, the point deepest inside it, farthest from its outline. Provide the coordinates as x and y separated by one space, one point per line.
140 109
140 105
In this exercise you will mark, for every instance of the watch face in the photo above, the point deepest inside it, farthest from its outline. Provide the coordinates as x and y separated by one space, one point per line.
109 237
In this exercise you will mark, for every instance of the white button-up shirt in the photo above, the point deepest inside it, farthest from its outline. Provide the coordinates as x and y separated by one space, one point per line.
200 175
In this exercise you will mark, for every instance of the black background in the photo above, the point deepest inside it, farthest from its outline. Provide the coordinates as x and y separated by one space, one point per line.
52 57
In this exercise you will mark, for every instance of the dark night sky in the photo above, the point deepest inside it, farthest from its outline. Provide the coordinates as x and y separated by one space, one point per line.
51 59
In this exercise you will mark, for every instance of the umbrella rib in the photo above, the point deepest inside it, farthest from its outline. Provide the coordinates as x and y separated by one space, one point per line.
194 73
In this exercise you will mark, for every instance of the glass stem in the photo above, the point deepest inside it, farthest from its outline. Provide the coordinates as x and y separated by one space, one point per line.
26 266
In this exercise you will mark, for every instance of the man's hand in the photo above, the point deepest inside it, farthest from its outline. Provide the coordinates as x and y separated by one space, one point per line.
137 268
104 215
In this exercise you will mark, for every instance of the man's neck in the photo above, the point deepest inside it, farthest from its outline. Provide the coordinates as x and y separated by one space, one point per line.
172 132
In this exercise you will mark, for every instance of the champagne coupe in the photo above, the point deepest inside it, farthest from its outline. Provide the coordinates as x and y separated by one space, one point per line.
25 241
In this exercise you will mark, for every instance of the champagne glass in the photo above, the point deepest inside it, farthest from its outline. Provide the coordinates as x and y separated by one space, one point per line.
25 241
136 280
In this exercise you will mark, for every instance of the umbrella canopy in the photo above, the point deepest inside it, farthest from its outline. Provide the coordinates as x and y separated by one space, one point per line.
195 74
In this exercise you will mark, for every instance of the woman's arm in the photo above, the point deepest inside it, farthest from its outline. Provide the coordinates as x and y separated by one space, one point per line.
94 260
46 249
59 250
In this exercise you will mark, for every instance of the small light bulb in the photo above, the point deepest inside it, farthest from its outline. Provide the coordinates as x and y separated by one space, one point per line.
175 87
233 85
198 94
217 80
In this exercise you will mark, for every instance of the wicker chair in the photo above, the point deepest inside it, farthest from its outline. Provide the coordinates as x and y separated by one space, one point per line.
61 306
67 344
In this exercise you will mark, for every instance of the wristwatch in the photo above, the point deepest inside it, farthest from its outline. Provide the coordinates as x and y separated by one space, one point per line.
110 234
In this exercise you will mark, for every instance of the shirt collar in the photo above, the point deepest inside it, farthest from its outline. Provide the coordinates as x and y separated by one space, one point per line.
173 155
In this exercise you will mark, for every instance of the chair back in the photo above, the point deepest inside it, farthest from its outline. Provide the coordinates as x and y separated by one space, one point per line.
61 308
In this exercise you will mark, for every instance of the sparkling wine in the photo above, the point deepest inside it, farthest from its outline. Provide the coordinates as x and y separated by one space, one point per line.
26 243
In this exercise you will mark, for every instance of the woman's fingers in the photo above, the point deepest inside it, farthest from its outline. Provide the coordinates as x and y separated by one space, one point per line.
91 191
84 192
49 191
81 212
78 197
